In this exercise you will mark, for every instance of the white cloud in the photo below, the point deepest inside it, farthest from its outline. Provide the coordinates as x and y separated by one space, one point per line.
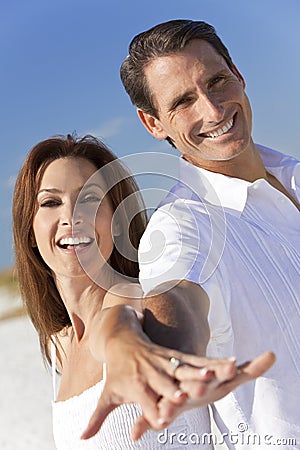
9 183
110 128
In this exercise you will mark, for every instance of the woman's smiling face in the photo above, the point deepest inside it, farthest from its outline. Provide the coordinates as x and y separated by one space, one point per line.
62 238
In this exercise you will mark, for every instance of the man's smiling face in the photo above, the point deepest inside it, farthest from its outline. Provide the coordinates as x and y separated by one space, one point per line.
201 103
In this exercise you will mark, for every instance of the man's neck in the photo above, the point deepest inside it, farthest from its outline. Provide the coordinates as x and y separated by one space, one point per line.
247 166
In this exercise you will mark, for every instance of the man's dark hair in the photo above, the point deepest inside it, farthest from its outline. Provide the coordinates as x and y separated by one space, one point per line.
161 40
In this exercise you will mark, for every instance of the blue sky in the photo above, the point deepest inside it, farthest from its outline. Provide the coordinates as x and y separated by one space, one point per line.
60 64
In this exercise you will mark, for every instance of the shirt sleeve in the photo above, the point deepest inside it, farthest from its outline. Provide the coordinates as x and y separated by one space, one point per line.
178 244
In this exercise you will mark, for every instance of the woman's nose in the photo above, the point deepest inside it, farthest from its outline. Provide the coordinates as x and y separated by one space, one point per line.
66 220
69 215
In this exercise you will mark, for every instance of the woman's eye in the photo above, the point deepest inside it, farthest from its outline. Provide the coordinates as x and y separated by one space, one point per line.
90 198
49 203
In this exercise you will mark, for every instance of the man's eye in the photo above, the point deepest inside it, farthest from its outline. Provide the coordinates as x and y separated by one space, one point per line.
216 80
183 101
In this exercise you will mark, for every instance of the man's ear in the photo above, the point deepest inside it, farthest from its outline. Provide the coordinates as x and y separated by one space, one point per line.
152 124
238 74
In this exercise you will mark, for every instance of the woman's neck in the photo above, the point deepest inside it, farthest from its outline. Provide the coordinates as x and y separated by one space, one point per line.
78 295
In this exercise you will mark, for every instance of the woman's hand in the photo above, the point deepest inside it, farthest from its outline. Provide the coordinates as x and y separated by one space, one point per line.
202 392
139 371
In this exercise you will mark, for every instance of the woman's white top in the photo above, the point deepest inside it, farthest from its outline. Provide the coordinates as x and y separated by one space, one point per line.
70 418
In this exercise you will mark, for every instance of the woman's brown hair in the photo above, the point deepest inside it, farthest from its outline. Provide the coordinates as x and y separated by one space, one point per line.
38 290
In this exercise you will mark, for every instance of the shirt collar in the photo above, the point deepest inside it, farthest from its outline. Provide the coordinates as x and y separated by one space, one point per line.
231 193
284 167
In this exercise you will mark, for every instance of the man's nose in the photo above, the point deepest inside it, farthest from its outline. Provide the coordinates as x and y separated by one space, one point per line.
210 108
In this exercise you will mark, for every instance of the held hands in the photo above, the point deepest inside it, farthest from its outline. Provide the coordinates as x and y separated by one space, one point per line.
165 382
207 390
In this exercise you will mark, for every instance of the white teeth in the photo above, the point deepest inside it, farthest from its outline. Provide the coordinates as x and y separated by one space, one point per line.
220 131
75 240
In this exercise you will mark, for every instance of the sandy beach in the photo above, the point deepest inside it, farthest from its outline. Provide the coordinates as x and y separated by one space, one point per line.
25 383
25 389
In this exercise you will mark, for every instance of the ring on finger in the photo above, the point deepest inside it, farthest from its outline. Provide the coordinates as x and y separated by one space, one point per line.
174 364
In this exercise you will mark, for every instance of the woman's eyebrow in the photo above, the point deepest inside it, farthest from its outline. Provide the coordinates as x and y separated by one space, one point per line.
51 190
58 191
86 186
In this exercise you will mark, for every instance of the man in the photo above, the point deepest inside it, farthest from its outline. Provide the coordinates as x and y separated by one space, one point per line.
231 226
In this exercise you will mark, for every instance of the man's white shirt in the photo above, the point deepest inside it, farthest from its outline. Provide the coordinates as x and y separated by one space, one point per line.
241 242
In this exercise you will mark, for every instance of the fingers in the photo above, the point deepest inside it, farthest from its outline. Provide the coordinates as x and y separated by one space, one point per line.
203 385
246 372
193 380
141 394
258 366
104 407
202 392
252 369
148 400
163 384
195 389
139 428
222 370
167 411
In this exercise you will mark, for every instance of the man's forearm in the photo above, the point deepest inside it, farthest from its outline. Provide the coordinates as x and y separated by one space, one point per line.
177 318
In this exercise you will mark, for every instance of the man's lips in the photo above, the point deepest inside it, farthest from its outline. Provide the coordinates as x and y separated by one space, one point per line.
219 131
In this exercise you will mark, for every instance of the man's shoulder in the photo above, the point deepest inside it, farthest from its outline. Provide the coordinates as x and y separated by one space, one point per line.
272 156
181 219
179 192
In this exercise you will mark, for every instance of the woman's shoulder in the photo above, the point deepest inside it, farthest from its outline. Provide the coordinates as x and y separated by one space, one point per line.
124 294
126 289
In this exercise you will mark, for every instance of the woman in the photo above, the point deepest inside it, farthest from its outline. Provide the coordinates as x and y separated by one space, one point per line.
75 251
